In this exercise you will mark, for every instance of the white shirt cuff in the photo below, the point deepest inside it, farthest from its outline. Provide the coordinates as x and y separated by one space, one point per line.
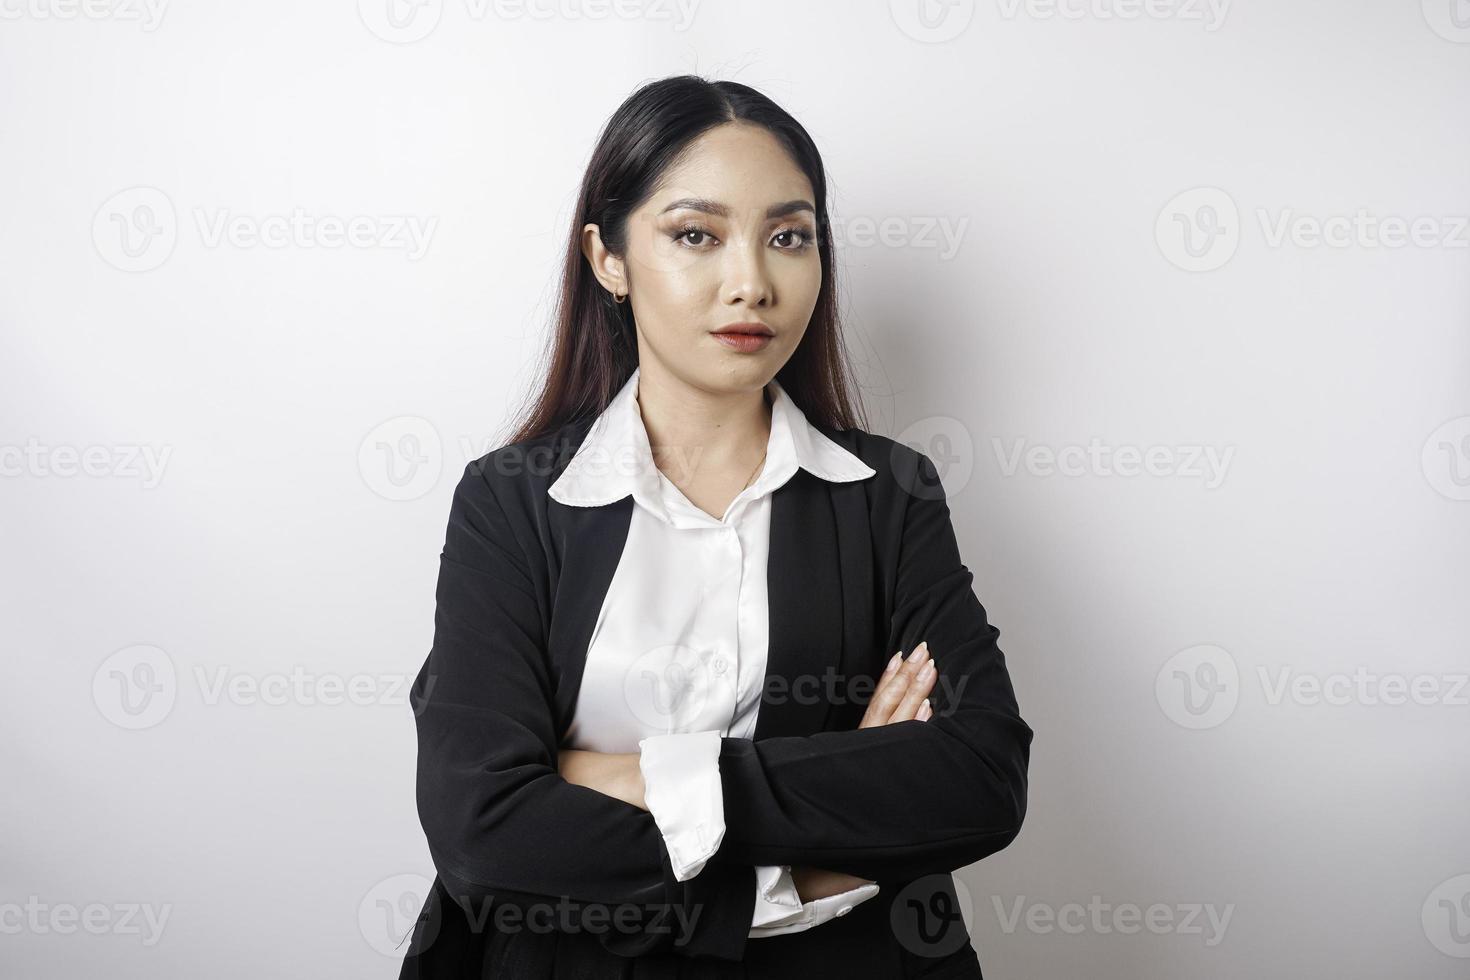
681 786
779 909
776 898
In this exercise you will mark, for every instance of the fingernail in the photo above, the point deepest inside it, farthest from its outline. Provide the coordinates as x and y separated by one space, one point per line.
920 652
925 710
893 662
927 671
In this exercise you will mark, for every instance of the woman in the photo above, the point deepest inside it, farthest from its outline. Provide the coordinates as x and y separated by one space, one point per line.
710 694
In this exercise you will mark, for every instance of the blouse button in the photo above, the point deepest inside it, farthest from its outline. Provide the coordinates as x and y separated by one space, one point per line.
844 910
720 665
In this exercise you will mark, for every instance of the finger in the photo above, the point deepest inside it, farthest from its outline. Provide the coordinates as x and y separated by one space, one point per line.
908 708
894 687
891 686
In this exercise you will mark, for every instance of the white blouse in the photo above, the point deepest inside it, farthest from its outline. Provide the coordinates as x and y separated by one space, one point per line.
677 657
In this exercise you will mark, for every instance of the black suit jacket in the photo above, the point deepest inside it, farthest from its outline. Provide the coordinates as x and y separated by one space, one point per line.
537 877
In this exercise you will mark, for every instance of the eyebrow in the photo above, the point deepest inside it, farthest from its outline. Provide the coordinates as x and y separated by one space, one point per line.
721 210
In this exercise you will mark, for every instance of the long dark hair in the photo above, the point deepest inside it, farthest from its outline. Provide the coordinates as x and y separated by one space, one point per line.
593 349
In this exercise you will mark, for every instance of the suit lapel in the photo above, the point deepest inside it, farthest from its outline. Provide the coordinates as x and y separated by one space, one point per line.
804 583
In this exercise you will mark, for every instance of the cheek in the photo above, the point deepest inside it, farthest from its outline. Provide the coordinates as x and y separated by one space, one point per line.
670 297
800 282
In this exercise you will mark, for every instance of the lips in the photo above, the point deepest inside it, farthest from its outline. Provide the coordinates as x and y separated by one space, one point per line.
747 329
740 341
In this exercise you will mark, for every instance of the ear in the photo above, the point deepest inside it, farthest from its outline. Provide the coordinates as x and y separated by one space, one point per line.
607 267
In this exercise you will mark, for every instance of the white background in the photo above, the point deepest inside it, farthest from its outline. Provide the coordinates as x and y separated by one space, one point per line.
274 538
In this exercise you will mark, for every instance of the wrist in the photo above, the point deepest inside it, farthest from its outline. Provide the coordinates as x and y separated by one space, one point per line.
629 776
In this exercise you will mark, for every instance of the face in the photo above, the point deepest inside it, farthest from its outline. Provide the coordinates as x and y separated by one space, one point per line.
728 236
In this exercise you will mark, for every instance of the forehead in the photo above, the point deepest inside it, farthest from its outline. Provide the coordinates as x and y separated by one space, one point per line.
738 164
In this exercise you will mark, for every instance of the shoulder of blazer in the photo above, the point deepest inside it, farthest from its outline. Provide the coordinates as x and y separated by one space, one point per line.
902 470
521 472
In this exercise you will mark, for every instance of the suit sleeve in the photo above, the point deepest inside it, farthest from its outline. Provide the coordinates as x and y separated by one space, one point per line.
910 798
502 825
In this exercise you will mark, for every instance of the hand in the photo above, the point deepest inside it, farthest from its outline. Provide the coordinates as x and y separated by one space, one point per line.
902 695
614 774
814 883
903 690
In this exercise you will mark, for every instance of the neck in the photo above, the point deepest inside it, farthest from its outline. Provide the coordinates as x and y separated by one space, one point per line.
692 427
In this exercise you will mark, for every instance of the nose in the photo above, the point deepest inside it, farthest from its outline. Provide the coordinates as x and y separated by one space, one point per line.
745 275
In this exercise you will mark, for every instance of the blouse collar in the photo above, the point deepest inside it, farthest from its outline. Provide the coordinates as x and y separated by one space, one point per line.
615 458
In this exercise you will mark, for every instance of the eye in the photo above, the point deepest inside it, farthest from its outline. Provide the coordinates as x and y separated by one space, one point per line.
799 238
685 231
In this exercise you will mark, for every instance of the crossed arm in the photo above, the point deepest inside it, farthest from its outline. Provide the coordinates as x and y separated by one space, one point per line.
505 825
901 695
